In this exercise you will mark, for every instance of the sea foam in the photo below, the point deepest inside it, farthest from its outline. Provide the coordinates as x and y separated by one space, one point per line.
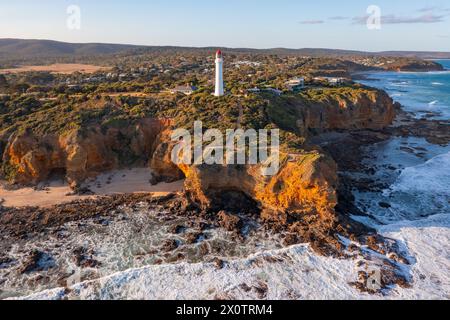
431 177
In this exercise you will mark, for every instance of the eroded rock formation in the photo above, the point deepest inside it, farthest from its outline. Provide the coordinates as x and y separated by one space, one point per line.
302 195
367 109
305 183
80 154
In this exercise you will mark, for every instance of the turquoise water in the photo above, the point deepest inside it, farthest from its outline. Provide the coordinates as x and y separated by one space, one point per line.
419 184
426 94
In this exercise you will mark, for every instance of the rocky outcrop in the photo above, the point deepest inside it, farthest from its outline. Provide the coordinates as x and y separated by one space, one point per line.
358 109
80 154
415 65
300 199
301 195
161 164
304 184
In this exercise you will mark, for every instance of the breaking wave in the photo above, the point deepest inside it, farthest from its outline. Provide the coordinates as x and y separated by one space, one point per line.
423 190
430 177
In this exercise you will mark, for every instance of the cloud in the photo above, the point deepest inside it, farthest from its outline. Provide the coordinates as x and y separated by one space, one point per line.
338 18
312 22
429 9
393 19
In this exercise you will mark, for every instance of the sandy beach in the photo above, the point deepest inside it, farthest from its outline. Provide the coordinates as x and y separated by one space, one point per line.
115 182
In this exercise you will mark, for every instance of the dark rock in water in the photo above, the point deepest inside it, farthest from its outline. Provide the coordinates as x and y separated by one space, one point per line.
37 261
170 245
5 262
204 249
177 229
38 280
229 222
194 237
421 155
218 263
291 239
261 289
245 287
174 258
407 150
384 205
104 221
84 258
154 180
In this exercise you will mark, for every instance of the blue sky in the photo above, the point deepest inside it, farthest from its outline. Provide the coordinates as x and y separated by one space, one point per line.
406 24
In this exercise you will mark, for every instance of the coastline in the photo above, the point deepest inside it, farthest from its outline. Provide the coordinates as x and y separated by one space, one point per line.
287 257
349 272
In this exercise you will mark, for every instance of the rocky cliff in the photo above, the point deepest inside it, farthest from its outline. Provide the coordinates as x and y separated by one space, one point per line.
317 111
305 182
414 65
80 154
302 196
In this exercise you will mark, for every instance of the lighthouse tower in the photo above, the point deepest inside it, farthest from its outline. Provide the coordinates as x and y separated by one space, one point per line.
219 74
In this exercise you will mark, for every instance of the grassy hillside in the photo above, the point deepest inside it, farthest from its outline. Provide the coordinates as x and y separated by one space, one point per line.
20 48
15 48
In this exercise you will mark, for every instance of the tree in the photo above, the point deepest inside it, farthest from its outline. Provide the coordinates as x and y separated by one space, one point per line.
21 87
3 82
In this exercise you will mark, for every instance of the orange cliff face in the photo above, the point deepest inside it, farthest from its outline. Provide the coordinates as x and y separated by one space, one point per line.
305 186
305 182
81 154
365 109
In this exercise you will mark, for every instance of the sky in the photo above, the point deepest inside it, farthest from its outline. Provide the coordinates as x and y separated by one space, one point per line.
405 24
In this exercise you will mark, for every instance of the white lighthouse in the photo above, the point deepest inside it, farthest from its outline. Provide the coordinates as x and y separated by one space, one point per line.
219 74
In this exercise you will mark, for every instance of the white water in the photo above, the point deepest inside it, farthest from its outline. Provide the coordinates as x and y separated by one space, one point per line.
431 177
298 272
419 220
133 237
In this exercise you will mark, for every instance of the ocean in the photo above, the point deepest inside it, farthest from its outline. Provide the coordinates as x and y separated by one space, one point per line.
426 94
420 187
416 203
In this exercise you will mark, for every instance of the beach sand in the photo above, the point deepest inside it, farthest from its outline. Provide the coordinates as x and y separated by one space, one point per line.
115 182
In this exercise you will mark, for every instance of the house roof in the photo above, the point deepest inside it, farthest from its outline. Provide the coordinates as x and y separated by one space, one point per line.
185 88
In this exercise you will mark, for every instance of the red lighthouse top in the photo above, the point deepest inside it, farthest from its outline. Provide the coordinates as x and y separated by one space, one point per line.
219 54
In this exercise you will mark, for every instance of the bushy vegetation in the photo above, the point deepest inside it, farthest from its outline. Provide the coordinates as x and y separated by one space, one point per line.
137 86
